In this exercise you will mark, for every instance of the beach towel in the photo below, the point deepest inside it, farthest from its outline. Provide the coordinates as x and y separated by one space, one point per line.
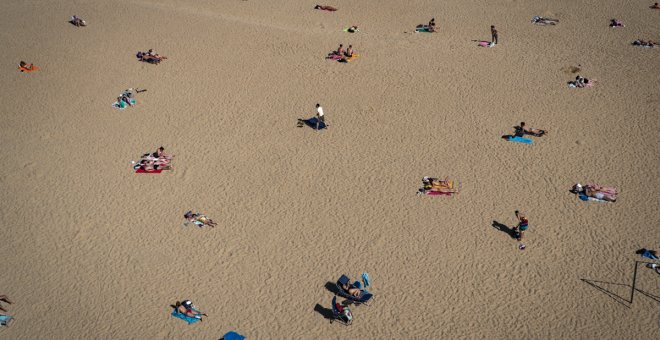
122 105
365 279
312 123
484 43
586 198
648 254
423 29
189 319
233 336
4 319
142 171
519 139
23 69
351 58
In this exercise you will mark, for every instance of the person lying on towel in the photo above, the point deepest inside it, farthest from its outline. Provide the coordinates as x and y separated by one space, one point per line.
544 21
439 185
76 21
198 219
523 130
26 66
186 308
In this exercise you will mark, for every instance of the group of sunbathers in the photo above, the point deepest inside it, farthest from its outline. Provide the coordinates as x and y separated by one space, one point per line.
544 21
341 54
644 43
78 22
198 219
150 57
580 82
158 160
596 191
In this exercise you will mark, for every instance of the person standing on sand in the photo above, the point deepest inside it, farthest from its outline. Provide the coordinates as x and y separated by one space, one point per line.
319 116
493 34
523 225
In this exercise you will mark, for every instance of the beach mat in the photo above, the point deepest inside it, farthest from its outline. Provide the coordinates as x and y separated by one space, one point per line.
142 171
519 139
586 198
232 336
190 320
312 123
484 43
122 105
423 30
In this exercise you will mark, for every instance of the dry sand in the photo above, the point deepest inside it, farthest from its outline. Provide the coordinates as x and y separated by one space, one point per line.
94 251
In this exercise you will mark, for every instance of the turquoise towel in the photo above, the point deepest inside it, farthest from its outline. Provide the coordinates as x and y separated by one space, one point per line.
189 319
4 319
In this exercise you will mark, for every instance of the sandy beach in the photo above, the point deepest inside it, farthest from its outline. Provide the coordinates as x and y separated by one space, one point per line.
92 250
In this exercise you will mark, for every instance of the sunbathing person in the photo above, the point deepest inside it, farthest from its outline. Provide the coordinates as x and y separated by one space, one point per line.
124 98
655 6
325 8
353 29
353 291
186 308
522 130
349 51
596 191
438 185
77 21
431 26
198 219
26 66
544 21
339 51
160 154
616 23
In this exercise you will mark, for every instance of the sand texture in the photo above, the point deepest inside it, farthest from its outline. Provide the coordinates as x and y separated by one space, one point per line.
93 251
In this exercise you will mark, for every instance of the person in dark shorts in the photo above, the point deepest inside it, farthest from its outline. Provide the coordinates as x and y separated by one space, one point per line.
523 225
493 34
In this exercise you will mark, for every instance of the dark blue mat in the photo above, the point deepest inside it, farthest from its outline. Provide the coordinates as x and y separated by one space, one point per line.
312 123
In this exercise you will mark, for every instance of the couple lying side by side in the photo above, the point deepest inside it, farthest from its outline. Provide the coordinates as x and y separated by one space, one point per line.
596 191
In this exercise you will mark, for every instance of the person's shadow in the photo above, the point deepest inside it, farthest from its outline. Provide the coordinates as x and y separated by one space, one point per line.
505 229
325 312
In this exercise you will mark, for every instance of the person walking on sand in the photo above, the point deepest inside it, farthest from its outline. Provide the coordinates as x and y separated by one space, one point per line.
523 225
319 116
493 35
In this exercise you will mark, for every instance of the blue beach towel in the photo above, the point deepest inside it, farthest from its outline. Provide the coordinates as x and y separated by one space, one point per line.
233 336
520 140
189 319
365 279
312 123
648 254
